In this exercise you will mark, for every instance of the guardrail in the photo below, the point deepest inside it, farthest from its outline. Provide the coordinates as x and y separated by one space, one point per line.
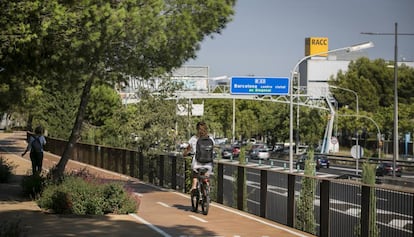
406 165
340 207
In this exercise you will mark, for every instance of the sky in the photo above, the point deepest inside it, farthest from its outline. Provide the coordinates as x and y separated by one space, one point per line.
267 37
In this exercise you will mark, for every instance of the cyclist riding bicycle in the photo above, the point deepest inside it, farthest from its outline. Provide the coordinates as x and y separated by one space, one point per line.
202 132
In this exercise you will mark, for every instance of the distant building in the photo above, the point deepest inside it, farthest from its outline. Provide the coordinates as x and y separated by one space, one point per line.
315 72
313 75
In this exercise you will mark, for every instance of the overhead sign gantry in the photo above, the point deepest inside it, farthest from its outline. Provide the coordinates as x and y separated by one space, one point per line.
259 85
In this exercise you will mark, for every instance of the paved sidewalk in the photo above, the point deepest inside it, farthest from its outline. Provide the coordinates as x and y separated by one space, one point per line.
161 213
34 222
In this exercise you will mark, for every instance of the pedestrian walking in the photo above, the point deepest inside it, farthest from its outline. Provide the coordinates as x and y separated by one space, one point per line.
35 146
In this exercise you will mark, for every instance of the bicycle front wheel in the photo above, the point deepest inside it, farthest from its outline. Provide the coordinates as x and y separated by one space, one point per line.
205 204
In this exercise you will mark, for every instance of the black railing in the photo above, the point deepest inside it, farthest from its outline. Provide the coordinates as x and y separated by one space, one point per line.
341 207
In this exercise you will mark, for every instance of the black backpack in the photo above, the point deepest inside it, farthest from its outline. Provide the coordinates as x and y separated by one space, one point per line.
204 150
36 145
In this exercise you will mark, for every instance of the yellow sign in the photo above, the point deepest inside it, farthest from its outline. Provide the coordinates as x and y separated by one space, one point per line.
316 45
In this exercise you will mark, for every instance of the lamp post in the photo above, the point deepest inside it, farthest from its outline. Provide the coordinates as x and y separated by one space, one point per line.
358 153
373 121
348 49
396 142
354 92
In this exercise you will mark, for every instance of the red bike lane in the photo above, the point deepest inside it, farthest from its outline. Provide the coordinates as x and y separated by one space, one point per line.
166 212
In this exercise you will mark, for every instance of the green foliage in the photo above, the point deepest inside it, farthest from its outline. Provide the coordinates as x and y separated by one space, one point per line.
235 190
376 97
214 183
305 216
221 121
103 104
152 123
368 177
242 154
58 110
60 202
75 195
188 174
85 43
311 125
368 173
117 199
6 170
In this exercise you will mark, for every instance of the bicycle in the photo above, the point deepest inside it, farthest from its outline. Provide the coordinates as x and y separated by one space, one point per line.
201 195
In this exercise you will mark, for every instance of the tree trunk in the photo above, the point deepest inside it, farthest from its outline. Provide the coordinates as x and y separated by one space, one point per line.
30 123
76 130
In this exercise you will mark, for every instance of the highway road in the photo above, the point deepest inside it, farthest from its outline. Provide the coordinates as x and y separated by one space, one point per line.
394 208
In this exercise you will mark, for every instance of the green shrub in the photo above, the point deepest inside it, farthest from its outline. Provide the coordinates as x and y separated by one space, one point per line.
305 217
5 171
118 200
61 202
76 195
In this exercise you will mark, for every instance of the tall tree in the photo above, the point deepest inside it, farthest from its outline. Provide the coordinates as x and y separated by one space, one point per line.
375 97
96 41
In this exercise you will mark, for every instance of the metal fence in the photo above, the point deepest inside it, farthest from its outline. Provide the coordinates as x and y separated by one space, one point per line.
340 207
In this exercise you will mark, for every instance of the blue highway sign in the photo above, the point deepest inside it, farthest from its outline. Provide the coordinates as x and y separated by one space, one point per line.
260 85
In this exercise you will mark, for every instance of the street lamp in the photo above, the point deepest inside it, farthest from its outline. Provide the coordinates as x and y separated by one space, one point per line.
358 153
352 48
354 92
373 121
396 142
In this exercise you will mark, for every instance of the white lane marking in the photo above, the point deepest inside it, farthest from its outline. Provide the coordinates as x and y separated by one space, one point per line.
198 218
260 221
248 217
158 230
399 223
353 211
163 204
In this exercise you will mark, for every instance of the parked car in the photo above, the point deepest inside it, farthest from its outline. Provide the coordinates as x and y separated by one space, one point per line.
236 151
252 152
321 161
386 168
229 151
279 147
226 152
262 153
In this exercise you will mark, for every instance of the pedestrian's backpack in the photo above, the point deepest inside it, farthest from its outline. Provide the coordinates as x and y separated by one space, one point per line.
204 150
36 145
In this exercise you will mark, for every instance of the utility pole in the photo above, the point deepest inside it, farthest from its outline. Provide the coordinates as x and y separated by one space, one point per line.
396 140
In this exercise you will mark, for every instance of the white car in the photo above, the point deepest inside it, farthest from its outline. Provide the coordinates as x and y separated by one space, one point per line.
260 153
263 154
